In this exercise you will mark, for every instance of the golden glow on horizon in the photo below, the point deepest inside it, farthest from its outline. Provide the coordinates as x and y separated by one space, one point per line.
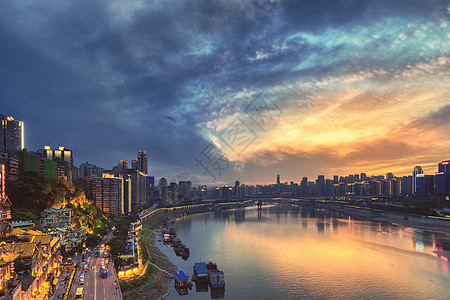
358 125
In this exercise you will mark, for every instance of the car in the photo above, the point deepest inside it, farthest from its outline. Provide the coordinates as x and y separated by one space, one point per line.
103 261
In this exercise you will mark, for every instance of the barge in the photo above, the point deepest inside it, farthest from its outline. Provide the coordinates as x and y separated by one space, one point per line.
201 273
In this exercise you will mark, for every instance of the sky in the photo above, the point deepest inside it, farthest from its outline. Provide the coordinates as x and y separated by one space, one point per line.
220 90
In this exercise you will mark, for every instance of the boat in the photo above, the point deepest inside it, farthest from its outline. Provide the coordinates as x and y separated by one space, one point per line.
166 237
181 280
200 272
211 266
217 279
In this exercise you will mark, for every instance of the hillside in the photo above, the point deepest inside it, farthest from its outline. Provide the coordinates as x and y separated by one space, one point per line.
33 193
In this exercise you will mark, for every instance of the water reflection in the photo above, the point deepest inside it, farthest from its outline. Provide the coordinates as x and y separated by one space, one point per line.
292 252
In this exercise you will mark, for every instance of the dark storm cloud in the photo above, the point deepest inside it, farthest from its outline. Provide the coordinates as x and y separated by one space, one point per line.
106 78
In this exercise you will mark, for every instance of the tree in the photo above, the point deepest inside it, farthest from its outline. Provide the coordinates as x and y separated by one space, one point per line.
117 245
92 240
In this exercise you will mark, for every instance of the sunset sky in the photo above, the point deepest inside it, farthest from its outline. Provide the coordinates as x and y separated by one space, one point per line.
296 88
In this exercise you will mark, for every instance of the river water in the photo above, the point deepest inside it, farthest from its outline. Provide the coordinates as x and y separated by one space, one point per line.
290 252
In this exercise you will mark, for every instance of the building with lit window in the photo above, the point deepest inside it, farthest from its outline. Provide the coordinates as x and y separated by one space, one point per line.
61 154
142 161
107 192
417 171
11 134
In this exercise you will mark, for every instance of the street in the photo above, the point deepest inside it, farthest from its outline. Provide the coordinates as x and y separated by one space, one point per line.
95 287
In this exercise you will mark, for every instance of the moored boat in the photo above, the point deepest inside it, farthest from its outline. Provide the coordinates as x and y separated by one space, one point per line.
181 280
217 279
200 272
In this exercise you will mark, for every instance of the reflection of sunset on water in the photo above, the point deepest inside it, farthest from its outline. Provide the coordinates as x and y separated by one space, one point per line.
296 255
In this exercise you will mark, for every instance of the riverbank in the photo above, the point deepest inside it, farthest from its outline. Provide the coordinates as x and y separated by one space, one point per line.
155 283
395 218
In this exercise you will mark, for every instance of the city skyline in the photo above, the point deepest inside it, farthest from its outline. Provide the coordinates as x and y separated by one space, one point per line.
317 88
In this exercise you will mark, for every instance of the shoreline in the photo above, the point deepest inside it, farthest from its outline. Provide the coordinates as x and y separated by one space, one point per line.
394 218
156 285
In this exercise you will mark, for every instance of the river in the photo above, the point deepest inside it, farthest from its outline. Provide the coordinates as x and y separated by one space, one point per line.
291 252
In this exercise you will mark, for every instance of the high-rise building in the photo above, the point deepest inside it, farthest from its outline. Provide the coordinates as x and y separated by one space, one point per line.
363 176
335 179
2 178
139 189
424 185
173 193
185 190
278 179
122 166
107 194
11 134
142 161
134 164
406 185
62 154
389 175
417 170
87 170
304 186
444 166
163 189
320 185
442 179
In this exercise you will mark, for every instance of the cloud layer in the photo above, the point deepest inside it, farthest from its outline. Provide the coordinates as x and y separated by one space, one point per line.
341 86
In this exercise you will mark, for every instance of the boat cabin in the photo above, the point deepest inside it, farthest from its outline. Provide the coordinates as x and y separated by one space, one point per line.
201 272
181 279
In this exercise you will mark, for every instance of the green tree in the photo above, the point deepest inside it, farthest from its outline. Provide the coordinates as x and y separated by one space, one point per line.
92 240
117 245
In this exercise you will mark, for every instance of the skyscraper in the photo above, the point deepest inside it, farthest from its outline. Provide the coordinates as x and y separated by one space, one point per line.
107 194
417 170
134 164
304 186
11 134
163 190
142 161
122 166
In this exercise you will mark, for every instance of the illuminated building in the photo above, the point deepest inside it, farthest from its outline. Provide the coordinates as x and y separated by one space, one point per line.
424 185
139 189
11 134
2 179
444 166
61 154
417 170
107 192
11 163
